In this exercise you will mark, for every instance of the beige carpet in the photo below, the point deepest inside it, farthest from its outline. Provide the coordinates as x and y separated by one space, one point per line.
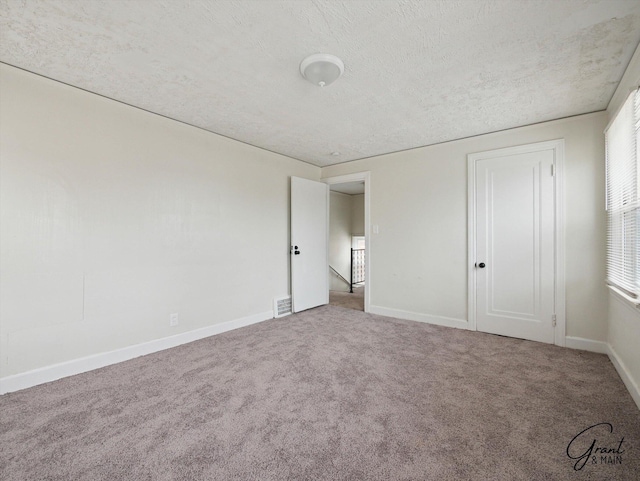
347 299
328 394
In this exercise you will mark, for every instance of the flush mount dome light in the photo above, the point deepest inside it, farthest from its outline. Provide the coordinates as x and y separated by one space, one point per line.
321 69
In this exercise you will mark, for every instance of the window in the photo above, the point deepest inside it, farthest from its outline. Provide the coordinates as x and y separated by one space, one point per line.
622 138
357 242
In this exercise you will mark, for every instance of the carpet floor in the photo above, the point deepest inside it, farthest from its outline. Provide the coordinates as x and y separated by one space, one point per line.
330 394
348 300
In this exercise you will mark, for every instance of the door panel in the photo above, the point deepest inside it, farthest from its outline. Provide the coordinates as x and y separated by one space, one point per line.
515 240
309 235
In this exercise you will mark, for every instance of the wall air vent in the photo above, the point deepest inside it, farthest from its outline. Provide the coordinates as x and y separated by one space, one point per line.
282 307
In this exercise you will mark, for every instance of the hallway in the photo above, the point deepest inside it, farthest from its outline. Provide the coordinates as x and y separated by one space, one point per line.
347 300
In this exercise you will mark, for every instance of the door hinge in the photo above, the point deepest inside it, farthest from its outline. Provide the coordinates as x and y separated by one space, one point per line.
553 320
553 170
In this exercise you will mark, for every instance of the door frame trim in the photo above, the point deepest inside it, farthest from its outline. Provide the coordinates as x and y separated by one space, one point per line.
557 146
366 178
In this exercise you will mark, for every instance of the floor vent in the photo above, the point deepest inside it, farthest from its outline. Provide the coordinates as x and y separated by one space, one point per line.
282 306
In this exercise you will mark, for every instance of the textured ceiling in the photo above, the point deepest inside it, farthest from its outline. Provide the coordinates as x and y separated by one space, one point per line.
416 72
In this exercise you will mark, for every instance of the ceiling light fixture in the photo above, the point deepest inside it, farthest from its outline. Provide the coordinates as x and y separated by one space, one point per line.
321 69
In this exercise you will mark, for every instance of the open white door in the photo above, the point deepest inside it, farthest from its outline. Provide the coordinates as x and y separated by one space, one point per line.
309 248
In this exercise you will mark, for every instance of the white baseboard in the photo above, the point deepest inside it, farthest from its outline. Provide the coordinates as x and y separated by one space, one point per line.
84 364
605 348
420 317
586 344
624 374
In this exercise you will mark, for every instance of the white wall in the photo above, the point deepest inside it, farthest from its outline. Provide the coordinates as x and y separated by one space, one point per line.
624 319
113 218
624 342
357 214
419 202
339 239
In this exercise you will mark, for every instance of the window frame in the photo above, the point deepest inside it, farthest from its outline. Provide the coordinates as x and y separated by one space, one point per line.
622 166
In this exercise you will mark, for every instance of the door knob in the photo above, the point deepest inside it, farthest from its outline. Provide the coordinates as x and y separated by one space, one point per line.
481 265
296 253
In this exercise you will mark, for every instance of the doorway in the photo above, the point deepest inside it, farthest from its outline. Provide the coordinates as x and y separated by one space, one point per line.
349 252
516 278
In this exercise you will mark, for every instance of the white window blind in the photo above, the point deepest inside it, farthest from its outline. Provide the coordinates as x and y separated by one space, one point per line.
622 139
